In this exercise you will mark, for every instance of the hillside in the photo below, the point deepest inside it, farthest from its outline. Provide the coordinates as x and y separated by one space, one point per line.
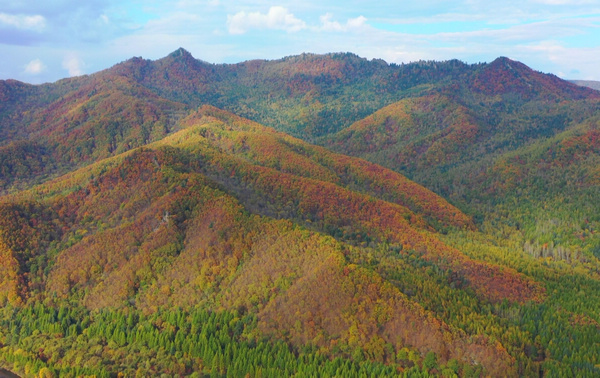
93 120
147 227
508 154
193 220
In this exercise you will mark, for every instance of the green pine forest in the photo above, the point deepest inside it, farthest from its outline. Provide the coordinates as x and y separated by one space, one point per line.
316 215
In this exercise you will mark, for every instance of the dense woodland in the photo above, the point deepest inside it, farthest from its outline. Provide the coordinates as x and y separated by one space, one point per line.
172 218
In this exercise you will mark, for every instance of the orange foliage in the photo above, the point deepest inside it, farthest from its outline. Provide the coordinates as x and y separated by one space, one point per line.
11 283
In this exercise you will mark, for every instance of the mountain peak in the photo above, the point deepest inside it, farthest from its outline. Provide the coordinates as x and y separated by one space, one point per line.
181 52
505 63
505 75
502 59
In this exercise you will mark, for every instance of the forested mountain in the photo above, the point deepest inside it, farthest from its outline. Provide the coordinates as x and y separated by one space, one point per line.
158 217
524 155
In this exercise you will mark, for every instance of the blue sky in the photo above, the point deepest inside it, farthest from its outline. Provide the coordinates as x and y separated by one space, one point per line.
43 41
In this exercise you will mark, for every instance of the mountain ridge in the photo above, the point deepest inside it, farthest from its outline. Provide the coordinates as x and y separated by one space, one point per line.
309 96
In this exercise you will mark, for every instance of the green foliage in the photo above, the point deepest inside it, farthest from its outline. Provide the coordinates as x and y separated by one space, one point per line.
71 341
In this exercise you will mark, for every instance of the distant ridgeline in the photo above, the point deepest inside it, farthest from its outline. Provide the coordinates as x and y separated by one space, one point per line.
587 83
171 217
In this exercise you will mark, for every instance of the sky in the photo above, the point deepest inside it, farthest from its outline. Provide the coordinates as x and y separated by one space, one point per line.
44 41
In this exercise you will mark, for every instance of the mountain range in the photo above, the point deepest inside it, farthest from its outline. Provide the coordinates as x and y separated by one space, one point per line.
317 214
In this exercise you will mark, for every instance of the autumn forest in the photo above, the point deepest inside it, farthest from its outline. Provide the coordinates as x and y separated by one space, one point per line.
316 215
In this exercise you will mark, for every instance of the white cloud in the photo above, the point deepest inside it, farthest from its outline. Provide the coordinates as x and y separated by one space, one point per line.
328 25
36 22
278 18
35 67
73 64
353 23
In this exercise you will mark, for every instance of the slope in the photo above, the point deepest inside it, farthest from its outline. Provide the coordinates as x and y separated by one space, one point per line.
191 221
229 215
506 148
51 129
